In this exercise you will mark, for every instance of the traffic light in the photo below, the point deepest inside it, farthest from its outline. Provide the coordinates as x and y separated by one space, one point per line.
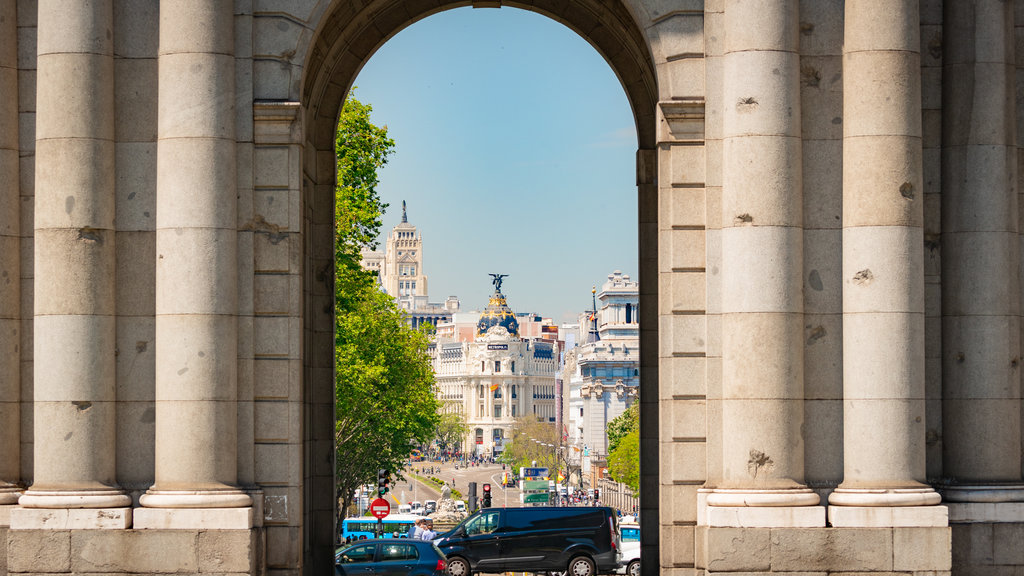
383 482
487 496
597 494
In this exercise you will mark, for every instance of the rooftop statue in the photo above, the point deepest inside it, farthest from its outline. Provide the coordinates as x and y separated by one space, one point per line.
497 281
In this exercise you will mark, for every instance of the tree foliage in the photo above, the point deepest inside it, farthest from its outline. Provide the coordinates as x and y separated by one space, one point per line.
622 425
384 391
624 461
624 447
451 429
527 444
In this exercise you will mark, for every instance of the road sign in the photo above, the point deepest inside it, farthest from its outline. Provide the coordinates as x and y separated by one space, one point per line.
380 508
535 485
532 473
535 498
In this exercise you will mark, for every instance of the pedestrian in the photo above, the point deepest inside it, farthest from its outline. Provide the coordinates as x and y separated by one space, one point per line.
427 533
415 529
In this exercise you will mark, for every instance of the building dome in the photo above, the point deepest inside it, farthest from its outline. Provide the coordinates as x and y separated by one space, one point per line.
498 314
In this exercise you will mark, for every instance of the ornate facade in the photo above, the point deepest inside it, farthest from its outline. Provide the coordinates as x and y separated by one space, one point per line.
496 378
602 375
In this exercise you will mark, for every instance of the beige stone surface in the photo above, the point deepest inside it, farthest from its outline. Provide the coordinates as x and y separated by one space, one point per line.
213 519
71 519
847 550
39 551
737 549
766 517
888 516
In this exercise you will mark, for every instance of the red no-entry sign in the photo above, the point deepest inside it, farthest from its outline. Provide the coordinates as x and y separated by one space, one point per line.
380 508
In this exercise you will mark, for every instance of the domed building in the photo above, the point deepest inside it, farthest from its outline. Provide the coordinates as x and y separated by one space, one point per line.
497 377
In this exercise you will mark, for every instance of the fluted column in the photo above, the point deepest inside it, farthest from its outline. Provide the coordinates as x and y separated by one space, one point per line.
10 269
762 260
74 347
74 260
980 256
196 270
883 252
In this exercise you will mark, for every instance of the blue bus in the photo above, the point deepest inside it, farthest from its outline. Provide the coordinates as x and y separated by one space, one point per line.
395 525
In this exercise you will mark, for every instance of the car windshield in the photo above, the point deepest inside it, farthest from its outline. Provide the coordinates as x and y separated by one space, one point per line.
485 523
359 553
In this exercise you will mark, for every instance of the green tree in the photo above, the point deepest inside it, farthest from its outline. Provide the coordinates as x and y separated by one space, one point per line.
622 425
624 460
451 429
384 392
532 440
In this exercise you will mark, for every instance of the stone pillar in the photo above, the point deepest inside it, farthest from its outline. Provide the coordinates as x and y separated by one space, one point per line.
197 267
762 263
74 324
883 253
981 415
10 268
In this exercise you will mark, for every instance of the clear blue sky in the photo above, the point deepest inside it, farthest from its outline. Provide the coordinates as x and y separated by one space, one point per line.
515 153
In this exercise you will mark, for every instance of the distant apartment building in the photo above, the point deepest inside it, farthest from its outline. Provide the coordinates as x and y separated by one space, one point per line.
401 274
601 375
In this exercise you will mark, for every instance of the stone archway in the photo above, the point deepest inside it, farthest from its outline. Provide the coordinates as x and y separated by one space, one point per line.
346 36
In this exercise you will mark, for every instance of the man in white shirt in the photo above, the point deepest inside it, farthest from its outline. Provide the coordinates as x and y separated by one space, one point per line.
427 530
416 529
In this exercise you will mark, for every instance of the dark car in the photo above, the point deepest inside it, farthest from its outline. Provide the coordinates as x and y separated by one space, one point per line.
390 557
579 541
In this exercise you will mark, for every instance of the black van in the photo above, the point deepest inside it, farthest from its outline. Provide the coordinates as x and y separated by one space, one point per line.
581 541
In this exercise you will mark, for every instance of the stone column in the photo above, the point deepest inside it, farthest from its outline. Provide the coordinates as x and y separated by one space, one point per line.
10 268
74 347
762 263
883 253
980 256
197 266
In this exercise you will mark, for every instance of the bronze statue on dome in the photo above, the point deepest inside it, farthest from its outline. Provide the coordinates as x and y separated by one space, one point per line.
497 281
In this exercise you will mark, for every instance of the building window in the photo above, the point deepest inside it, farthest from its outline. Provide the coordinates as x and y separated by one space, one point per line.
480 411
513 368
513 390
497 366
581 412
497 411
497 392
481 389
629 313
483 366
513 410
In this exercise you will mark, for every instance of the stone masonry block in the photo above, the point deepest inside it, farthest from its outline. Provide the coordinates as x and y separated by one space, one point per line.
228 551
1008 543
138 551
919 549
39 551
738 549
972 544
855 549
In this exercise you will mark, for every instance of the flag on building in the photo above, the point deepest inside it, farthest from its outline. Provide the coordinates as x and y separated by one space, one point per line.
494 387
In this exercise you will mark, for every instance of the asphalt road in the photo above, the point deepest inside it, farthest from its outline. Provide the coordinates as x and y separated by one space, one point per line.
410 490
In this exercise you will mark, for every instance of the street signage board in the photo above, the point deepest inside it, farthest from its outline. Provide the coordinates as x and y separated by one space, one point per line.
380 508
532 473
535 485
536 498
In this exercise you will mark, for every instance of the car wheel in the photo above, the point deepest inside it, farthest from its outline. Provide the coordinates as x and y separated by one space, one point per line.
633 569
458 567
581 566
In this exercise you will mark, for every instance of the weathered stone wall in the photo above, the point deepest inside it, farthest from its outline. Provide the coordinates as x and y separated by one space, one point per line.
228 552
916 551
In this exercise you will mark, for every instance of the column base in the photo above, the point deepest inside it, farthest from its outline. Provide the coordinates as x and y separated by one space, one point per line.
766 516
53 499
888 516
9 494
195 499
983 493
726 497
886 497
193 518
71 519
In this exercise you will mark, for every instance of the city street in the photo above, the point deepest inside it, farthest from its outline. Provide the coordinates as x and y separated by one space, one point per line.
404 492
